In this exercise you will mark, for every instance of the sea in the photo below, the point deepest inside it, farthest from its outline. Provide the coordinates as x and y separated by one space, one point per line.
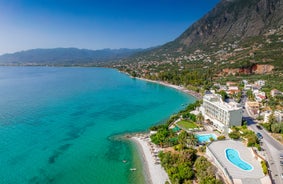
66 125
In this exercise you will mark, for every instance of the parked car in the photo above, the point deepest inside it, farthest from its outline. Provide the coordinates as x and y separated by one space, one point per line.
281 155
259 136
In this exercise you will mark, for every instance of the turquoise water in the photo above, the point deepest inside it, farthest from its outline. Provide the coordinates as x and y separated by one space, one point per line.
233 156
203 138
62 125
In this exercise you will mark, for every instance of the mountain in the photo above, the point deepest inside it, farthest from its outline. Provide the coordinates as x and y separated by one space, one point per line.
230 20
242 38
65 56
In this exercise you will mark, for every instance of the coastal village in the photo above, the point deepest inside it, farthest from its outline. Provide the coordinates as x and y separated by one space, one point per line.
232 132
82 124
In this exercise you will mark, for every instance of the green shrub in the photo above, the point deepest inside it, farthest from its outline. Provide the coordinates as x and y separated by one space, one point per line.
221 137
264 167
234 135
252 140
258 147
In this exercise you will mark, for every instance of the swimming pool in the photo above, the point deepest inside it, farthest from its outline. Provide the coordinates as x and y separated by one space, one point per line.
234 157
203 138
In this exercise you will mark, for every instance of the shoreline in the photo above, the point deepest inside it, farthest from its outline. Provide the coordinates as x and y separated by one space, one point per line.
180 88
154 172
198 96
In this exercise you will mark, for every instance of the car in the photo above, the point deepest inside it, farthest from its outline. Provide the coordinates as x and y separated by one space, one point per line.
281 162
259 136
259 127
281 155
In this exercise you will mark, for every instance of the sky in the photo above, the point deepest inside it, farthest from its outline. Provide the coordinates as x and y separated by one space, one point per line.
95 24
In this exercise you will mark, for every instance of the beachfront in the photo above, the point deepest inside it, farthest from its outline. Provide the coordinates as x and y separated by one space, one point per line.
155 171
180 88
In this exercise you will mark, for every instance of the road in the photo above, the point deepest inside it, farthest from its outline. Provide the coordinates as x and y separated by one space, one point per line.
272 147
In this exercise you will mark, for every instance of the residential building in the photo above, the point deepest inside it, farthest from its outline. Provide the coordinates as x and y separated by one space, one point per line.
252 107
275 92
223 115
266 115
231 84
248 87
259 95
245 82
260 83
277 114
233 90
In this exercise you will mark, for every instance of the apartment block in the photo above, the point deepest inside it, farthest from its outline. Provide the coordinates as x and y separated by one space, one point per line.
223 115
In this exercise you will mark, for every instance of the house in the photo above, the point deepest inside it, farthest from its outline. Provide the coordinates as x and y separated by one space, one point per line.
259 95
245 82
231 84
252 107
222 88
277 114
275 92
223 115
233 90
248 87
266 115
260 83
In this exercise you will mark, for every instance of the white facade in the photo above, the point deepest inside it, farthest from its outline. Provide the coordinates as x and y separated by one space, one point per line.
223 115
260 82
277 114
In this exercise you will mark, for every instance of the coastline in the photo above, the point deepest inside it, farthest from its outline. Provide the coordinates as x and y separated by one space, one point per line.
152 167
198 96
180 88
153 171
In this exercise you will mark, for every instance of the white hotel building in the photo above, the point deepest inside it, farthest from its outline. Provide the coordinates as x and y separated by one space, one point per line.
223 115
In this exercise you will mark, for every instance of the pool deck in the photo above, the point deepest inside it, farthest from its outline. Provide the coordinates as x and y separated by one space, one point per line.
216 153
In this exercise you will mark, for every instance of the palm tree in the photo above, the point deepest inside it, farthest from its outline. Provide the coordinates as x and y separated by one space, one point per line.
191 140
200 118
182 138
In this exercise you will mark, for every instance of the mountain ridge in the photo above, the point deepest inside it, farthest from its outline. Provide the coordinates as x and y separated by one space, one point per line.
233 20
230 41
65 56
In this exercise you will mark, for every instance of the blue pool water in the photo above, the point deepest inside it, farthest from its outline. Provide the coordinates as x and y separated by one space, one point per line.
202 138
233 156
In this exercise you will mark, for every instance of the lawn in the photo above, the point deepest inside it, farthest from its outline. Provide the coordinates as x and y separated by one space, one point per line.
186 124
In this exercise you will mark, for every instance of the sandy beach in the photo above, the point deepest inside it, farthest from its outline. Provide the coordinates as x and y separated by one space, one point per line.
155 171
181 88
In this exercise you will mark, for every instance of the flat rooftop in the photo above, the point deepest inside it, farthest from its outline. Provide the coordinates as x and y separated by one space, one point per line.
239 176
217 101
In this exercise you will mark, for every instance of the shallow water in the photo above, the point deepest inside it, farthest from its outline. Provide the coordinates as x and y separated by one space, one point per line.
60 125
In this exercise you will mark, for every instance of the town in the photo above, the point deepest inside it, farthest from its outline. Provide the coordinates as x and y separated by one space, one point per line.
236 127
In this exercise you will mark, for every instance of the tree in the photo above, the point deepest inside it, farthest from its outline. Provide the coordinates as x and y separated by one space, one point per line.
250 95
191 139
200 118
275 127
204 168
271 118
224 95
210 180
234 135
182 138
160 137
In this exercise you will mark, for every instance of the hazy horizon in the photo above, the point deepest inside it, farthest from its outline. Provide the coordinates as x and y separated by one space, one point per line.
95 25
